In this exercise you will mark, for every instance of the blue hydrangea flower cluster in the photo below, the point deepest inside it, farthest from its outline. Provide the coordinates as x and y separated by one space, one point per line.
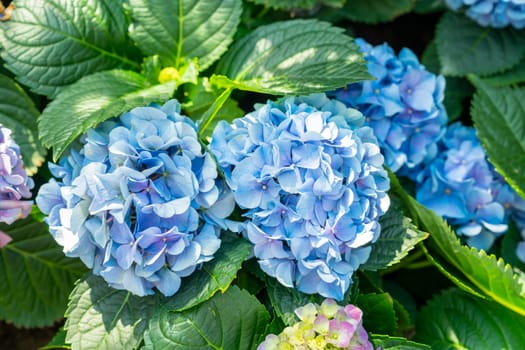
138 200
493 13
404 106
15 185
312 181
325 326
463 187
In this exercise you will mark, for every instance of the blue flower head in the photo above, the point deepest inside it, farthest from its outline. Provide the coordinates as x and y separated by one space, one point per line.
403 105
493 13
463 187
312 182
15 185
136 200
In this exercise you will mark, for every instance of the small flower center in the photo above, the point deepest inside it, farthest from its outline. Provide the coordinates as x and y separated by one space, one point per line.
448 191
409 91
377 91
264 187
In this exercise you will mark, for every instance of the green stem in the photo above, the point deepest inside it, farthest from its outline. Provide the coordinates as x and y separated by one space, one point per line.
211 113
419 265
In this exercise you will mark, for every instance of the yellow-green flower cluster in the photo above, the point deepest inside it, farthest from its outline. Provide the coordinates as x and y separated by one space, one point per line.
325 326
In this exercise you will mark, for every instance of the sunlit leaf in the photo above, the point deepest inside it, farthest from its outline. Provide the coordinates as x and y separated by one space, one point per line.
51 44
178 30
292 57
94 99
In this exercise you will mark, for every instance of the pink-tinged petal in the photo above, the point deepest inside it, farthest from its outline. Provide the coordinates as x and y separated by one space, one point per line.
4 239
340 333
321 324
12 210
271 342
353 312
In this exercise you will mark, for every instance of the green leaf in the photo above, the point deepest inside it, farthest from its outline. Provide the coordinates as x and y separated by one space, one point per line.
151 68
178 30
465 47
515 75
457 89
429 6
201 98
58 341
248 280
276 326
298 4
101 317
509 244
36 276
456 320
398 237
233 320
53 43
457 92
285 300
379 315
488 274
404 303
385 342
292 57
452 273
92 100
376 11
18 113
430 58
215 275
209 117
499 117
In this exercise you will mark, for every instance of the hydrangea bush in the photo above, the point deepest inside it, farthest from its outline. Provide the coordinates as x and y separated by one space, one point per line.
244 174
